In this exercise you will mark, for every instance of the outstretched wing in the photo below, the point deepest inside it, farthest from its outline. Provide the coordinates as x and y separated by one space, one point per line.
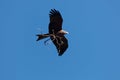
56 20
61 44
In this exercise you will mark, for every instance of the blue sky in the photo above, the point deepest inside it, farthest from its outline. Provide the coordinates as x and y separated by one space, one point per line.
94 40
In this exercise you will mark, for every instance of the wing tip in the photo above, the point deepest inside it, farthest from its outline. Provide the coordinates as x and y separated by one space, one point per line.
60 54
54 12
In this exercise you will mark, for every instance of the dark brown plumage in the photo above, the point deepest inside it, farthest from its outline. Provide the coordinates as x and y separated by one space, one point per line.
56 33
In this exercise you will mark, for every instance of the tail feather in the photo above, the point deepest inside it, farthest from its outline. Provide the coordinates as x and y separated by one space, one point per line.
42 36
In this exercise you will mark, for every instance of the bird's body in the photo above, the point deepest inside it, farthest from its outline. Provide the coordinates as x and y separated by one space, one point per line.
56 33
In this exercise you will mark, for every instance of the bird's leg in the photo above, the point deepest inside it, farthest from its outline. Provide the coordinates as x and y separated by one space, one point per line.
55 38
46 42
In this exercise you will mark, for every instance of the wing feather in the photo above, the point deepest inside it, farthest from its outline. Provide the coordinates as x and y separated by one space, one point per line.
56 20
61 44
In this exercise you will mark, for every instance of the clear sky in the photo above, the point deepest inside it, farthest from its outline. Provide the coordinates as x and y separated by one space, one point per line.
94 40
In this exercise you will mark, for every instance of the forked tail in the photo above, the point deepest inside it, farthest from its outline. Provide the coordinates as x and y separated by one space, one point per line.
42 36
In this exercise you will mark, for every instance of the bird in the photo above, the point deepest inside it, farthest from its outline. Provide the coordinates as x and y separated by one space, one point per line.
55 32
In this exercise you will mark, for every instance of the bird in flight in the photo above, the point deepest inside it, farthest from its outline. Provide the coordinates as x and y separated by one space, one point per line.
55 32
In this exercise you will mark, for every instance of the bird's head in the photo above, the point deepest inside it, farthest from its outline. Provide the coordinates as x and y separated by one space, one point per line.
63 32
